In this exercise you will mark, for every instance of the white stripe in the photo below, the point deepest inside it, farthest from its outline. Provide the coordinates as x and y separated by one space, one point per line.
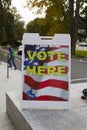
62 78
46 77
57 63
65 50
50 91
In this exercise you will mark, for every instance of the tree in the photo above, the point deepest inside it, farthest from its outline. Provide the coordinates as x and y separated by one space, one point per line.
57 15
11 24
9 27
18 24
4 7
56 19
33 26
37 26
83 19
1 22
62 16
74 16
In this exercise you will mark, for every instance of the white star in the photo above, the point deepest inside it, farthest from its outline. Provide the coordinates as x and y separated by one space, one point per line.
26 59
37 47
43 49
36 63
30 61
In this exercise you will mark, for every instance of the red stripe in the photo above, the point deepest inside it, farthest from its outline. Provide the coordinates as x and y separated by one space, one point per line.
50 82
54 48
50 98
43 98
24 96
61 46
64 46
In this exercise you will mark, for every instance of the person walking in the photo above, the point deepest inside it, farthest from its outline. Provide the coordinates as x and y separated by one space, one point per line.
11 59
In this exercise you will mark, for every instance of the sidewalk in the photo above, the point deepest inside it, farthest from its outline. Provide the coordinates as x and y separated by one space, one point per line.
7 85
76 117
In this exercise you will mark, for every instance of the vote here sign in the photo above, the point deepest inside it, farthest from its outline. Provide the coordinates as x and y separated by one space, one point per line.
45 71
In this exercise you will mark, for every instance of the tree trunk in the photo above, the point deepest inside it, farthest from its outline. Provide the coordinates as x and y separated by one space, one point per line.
71 12
74 16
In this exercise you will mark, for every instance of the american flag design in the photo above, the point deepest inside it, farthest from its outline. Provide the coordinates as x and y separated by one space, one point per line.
47 87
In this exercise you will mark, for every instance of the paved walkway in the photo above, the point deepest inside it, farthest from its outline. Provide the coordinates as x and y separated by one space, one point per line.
6 85
13 83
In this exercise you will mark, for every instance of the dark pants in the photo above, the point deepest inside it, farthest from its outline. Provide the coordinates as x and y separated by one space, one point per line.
12 61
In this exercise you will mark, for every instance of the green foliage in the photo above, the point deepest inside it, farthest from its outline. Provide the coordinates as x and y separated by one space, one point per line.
40 4
33 26
58 19
6 20
57 15
11 26
3 9
62 16
18 25
37 26
19 30
8 25
81 53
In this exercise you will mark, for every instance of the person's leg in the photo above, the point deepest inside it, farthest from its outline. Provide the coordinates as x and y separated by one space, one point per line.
9 62
13 61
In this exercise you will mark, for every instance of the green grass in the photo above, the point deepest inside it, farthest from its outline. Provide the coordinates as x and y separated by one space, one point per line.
81 53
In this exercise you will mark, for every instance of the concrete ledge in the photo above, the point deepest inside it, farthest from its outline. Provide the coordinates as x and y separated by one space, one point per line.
16 116
35 119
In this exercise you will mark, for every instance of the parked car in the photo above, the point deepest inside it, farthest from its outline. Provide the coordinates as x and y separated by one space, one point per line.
20 48
81 46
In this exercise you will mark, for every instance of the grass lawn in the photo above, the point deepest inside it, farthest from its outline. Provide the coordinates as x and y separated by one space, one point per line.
81 53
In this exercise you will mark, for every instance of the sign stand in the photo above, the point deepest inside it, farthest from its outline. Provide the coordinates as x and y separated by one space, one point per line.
46 72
